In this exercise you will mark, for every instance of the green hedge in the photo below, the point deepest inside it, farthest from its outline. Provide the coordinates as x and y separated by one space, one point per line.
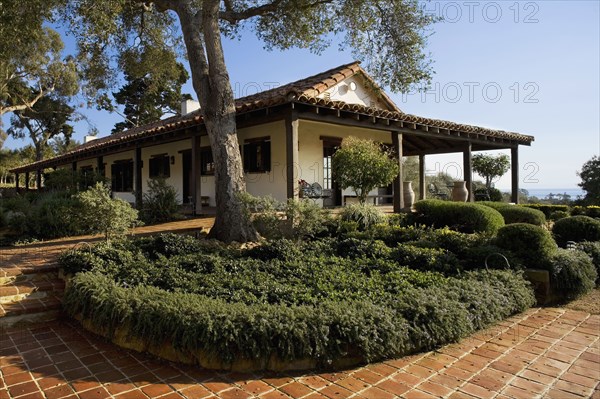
547 209
576 228
592 249
592 211
532 244
459 216
517 214
573 273
418 319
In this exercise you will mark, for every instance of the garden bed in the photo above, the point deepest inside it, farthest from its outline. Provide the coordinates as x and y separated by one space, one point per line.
327 303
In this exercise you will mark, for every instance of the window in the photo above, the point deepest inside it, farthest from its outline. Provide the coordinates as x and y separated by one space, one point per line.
87 177
122 176
207 162
160 166
327 167
257 155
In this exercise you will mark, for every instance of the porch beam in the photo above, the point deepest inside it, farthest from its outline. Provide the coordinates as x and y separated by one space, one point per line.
196 183
291 150
422 195
398 190
514 172
137 179
17 182
27 181
468 171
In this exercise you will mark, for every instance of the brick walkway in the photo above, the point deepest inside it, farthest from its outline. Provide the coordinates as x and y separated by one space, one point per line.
549 353
545 353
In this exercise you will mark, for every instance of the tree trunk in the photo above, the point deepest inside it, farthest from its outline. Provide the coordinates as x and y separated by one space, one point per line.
213 88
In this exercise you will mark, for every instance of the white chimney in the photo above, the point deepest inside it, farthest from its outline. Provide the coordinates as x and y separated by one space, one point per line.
88 138
188 106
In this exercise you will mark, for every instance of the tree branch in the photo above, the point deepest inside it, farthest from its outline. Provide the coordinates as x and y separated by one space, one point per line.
236 16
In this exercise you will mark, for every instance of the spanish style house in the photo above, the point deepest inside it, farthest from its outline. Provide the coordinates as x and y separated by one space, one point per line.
286 134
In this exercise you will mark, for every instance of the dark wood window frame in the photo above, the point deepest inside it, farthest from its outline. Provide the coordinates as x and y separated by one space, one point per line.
122 175
159 166
207 167
257 155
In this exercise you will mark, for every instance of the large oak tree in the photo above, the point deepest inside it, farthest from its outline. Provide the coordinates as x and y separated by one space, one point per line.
31 60
387 35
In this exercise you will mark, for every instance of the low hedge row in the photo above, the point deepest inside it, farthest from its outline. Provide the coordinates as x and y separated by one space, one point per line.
547 209
416 319
463 217
577 229
517 214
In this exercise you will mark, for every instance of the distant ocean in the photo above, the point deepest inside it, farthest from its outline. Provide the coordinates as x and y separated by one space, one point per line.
542 193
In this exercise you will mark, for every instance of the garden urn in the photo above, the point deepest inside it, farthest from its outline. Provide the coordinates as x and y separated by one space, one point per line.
409 194
460 192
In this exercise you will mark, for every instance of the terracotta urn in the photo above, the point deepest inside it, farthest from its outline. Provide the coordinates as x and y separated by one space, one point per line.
460 192
409 194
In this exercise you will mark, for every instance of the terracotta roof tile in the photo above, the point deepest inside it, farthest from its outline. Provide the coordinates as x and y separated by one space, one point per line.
304 91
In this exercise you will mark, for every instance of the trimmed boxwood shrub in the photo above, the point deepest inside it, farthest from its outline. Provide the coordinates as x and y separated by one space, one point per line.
532 244
547 209
557 215
459 216
592 248
592 211
573 273
517 214
576 228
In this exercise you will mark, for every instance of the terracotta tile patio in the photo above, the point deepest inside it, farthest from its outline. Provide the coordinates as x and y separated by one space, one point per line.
542 353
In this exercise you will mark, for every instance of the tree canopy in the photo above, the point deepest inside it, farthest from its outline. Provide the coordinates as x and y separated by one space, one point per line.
146 99
388 36
31 60
363 165
49 117
590 180
490 167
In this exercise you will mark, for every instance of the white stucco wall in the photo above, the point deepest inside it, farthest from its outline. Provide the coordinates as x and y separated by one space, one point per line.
272 183
361 95
172 149
311 147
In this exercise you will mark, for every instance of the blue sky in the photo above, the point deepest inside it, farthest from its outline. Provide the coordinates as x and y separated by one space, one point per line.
530 66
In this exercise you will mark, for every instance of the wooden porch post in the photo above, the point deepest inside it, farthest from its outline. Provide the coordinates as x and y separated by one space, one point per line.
422 195
137 179
468 171
514 172
74 166
17 182
397 184
38 179
196 183
26 181
291 151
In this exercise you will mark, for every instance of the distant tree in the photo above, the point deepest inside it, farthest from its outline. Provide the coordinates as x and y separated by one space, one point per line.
31 63
363 165
590 180
48 118
490 167
389 36
147 98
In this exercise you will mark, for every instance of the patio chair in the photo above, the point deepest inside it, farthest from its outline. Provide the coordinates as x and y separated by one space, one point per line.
434 192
